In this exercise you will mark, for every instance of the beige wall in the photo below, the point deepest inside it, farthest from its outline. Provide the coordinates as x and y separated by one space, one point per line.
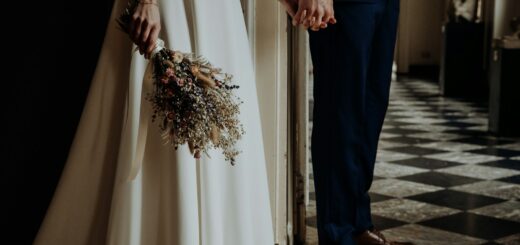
425 31
504 11
420 33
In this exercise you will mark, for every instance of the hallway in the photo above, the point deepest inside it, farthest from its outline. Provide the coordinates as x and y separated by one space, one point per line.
440 178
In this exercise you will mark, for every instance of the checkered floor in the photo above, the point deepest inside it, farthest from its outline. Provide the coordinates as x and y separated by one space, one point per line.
440 178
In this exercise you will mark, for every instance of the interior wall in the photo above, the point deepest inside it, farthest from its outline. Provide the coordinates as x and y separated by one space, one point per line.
425 26
504 11
420 33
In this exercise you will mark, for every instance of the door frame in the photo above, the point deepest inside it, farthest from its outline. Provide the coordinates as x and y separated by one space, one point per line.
266 22
300 68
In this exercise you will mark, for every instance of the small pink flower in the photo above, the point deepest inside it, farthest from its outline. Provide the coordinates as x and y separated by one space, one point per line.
165 80
180 82
169 92
169 72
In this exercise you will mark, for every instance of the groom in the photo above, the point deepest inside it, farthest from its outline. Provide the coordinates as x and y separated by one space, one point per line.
352 47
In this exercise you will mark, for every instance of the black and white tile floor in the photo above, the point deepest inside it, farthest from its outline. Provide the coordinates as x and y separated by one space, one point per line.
440 178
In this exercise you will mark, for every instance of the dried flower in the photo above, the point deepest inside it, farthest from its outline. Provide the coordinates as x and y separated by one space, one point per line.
169 72
192 100
205 80
177 57
165 80
168 63
180 82
170 92
215 134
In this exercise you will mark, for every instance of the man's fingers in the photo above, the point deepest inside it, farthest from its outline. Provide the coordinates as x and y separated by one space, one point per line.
325 21
329 14
307 23
316 25
318 19
324 25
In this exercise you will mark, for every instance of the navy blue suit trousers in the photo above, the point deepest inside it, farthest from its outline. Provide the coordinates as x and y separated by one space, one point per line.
352 62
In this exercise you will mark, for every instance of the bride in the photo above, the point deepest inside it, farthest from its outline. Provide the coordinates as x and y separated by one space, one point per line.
172 198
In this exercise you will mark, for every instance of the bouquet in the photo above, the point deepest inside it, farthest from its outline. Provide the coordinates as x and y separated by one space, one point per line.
193 101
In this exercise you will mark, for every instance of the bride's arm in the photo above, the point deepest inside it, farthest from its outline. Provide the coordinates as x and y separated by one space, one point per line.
291 6
145 26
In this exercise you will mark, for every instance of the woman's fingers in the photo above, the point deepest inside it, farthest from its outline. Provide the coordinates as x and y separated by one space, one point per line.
300 14
305 11
310 18
145 20
136 28
150 43
291 9
291 6
149 35
145 32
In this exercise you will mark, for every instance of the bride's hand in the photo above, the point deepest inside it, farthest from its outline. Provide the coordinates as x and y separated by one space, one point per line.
145 26
291 6
305 14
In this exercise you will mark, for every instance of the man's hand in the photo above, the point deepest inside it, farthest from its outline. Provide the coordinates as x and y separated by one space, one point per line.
315 14
328 16
324 15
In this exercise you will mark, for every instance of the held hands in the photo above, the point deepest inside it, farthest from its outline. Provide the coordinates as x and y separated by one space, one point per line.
314 14
145 26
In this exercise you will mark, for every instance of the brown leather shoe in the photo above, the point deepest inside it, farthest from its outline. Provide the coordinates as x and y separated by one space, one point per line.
375 237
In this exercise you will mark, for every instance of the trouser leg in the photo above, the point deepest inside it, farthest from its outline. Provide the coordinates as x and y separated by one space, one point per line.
377 95
343 151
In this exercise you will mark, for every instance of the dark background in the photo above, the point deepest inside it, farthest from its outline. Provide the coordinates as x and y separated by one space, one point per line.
52 48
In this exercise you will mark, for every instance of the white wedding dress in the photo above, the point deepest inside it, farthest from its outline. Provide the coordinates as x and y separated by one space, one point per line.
174 199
